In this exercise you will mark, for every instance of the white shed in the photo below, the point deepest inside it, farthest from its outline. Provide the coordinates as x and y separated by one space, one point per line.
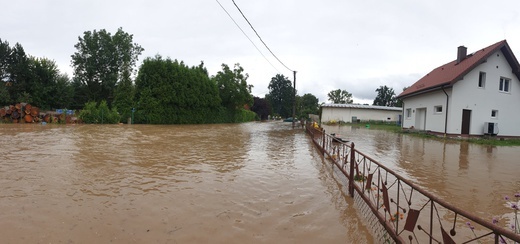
352 113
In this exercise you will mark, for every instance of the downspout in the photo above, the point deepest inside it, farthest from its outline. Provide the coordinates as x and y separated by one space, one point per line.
446 117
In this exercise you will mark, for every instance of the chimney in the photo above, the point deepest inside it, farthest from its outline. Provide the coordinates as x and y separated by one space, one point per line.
461 53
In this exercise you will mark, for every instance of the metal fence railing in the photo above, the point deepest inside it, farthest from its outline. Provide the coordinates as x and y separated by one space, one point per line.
405 212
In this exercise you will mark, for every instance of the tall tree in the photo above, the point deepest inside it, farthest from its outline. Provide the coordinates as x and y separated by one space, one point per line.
169 92
48 88
309 104
233 88
385 97
14 71
280 95
124 97
261 108
102 60
340 96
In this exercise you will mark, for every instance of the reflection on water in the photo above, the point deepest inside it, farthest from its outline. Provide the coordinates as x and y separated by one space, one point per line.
253 183
473 177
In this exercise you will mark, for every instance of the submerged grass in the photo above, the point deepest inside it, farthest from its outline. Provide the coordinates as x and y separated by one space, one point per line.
491 141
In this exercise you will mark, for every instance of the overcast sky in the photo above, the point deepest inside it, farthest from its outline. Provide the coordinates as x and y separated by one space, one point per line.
332 44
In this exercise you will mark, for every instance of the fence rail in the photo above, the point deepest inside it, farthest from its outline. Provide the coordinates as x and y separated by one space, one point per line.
406 213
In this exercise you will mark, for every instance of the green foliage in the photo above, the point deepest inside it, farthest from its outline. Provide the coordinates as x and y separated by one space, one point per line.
340 96
385 97
93 113
14 70
124 98
48 88
233 88
169 92
101 61
280 95
309 104
261 108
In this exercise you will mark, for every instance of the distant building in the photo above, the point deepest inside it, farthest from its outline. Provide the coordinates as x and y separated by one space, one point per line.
475 94
353 113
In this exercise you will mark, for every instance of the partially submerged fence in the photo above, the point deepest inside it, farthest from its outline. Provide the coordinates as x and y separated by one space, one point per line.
404 212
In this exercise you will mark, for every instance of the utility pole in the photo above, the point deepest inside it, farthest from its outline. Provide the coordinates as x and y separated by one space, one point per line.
294 100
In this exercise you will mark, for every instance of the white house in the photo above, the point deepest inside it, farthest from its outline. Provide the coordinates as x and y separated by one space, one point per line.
354 112
475 94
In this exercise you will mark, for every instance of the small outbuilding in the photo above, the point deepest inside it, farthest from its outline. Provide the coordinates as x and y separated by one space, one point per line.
353 113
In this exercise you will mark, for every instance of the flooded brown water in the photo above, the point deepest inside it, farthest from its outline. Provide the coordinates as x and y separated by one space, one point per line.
473 177
246 183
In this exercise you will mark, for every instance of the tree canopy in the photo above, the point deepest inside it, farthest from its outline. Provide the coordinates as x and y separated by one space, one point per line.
309 104
101 61
385 97
261 108
340 96
170 92
233 88
280 95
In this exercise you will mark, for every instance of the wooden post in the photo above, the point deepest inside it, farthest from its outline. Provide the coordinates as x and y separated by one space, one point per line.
351 176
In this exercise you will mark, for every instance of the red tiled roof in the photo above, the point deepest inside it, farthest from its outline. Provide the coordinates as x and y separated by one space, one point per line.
447 74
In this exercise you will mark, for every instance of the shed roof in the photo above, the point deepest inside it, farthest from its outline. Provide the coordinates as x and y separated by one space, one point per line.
446 75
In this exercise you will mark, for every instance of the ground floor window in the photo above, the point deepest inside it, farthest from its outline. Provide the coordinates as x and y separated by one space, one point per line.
437 109
408 113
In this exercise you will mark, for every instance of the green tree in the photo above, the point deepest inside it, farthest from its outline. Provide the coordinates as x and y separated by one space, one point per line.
102 60
169 92
340 96
385 97
233 88
124 97
261 108
14 71
48 88
309 104
280 95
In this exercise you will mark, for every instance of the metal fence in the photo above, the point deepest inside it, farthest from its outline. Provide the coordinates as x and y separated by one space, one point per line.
400 210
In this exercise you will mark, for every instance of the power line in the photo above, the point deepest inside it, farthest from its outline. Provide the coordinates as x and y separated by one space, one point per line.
260 37
248 37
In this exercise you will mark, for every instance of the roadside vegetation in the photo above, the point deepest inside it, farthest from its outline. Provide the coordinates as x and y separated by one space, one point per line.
108 86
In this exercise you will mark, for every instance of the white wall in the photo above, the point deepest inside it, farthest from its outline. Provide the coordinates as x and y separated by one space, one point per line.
345 114
434 121
481 101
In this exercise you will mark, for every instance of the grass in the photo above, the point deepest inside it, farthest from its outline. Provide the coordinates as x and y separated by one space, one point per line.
392 127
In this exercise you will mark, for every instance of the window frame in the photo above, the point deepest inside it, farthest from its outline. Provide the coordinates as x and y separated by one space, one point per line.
482 79
504 85
408 113
436 109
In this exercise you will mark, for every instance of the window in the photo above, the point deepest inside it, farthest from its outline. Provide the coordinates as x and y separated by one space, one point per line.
482 79
437 109
408 113
494 113
504 85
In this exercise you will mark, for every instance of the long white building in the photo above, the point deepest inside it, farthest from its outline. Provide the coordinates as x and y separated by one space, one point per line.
352 113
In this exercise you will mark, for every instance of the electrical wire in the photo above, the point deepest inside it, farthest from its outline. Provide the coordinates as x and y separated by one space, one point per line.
248 37
260 37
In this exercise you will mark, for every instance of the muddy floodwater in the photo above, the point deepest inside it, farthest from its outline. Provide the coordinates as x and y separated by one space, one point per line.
244 183
232 183
473 177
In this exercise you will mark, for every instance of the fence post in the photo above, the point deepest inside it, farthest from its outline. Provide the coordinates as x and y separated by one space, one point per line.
351 176
323 144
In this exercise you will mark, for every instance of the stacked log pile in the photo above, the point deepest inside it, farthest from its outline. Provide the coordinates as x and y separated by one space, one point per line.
26 113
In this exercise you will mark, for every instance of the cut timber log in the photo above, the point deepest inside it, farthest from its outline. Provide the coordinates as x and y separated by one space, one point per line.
28 118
